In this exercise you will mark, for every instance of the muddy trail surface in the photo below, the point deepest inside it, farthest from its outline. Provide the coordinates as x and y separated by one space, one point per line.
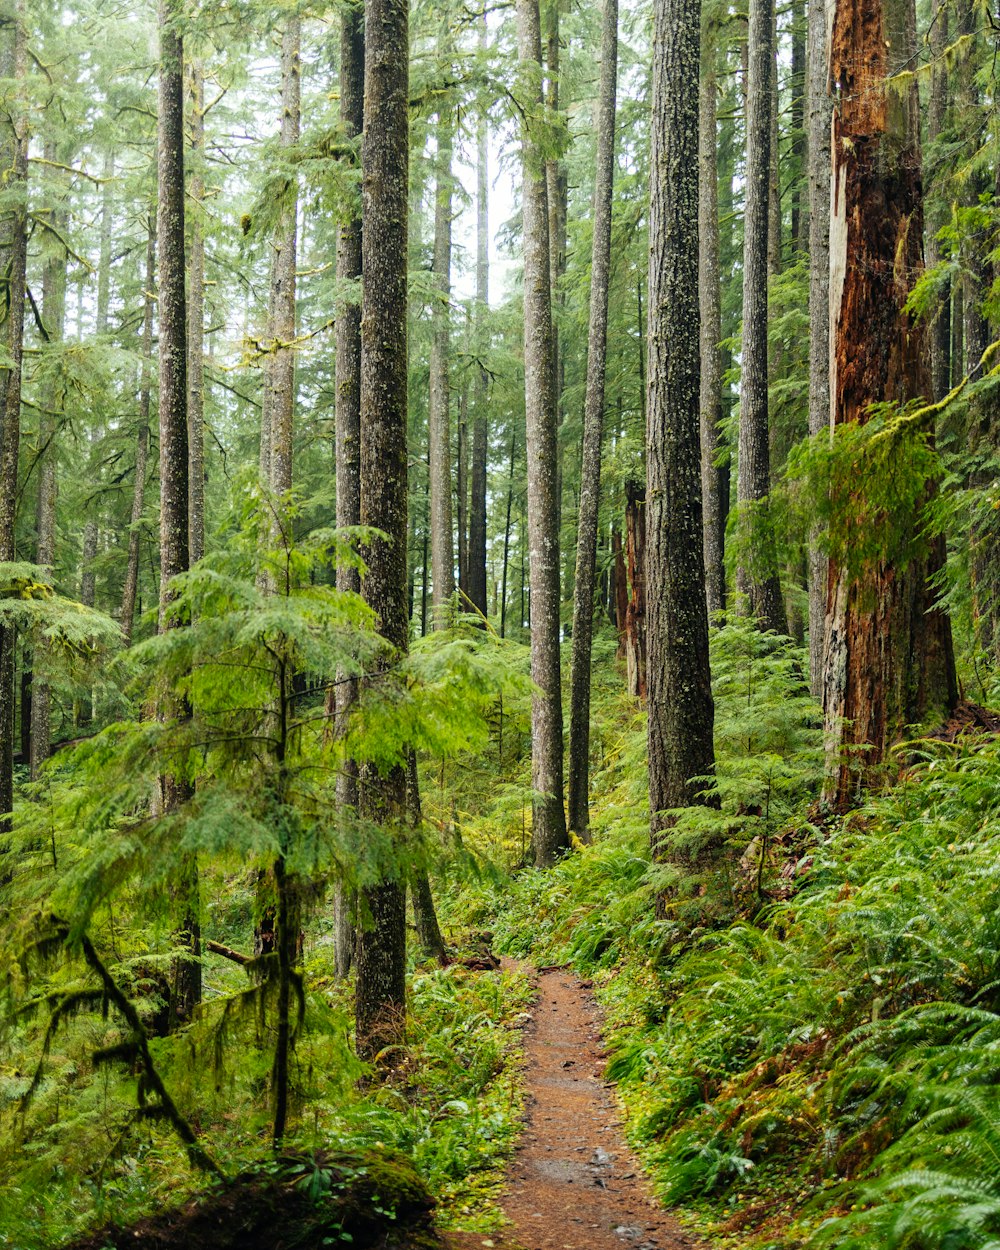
573 1184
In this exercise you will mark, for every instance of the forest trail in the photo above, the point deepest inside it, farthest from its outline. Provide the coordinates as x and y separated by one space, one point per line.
573 1183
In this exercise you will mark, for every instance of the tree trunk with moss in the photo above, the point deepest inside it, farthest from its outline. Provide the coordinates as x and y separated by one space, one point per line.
593 426
549 837
681 711
174 550
13 261
757 569
348 446
889 661
380 999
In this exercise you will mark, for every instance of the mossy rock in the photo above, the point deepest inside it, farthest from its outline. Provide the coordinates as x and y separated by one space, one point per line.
364 1200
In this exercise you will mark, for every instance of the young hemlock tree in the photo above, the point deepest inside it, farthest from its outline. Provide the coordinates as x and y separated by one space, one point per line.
548 817
593 423
681 711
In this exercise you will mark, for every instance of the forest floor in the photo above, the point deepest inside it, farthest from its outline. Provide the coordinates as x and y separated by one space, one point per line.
573 1183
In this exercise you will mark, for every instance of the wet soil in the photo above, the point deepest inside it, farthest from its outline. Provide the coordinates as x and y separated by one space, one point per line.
573 1184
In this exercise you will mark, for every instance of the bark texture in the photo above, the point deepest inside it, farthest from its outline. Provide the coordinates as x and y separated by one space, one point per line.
174 551
476 558
819 109
348 440
380 999
889 659
549 836
439 411
131 588
681 711
756 574
53 318
279 379
593 425
196 320
710 296
13 261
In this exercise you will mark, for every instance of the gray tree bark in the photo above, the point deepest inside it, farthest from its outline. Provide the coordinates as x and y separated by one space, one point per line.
593 422
936 115
476 558
174 551
549 836
131 588
13 261
348 438
439 411
54 319
279 377
196 320
819 109
380 996
681 711
757 574
710 296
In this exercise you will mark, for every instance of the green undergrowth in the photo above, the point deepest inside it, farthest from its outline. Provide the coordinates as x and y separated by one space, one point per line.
78 1157
823 1067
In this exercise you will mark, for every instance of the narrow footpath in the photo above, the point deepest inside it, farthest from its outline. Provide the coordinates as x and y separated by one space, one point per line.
573 1184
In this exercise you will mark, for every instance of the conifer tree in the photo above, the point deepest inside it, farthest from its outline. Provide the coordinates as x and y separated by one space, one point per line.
681 710
593 421
548 817
380 994
174 519
889 660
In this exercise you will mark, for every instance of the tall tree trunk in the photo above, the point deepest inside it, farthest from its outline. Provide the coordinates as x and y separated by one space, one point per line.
279 380
380 998
506 537
53 318
196 321
889 657
174 449
348 434
593 424
800 144
556 187
424 913
548 817
634 634
13 261
476 558
936 114
681 712
710 297
130 591
757 573
462 483
773 179
819 304
439 423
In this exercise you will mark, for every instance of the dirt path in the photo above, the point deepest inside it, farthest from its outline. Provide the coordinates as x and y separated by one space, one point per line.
573 1184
